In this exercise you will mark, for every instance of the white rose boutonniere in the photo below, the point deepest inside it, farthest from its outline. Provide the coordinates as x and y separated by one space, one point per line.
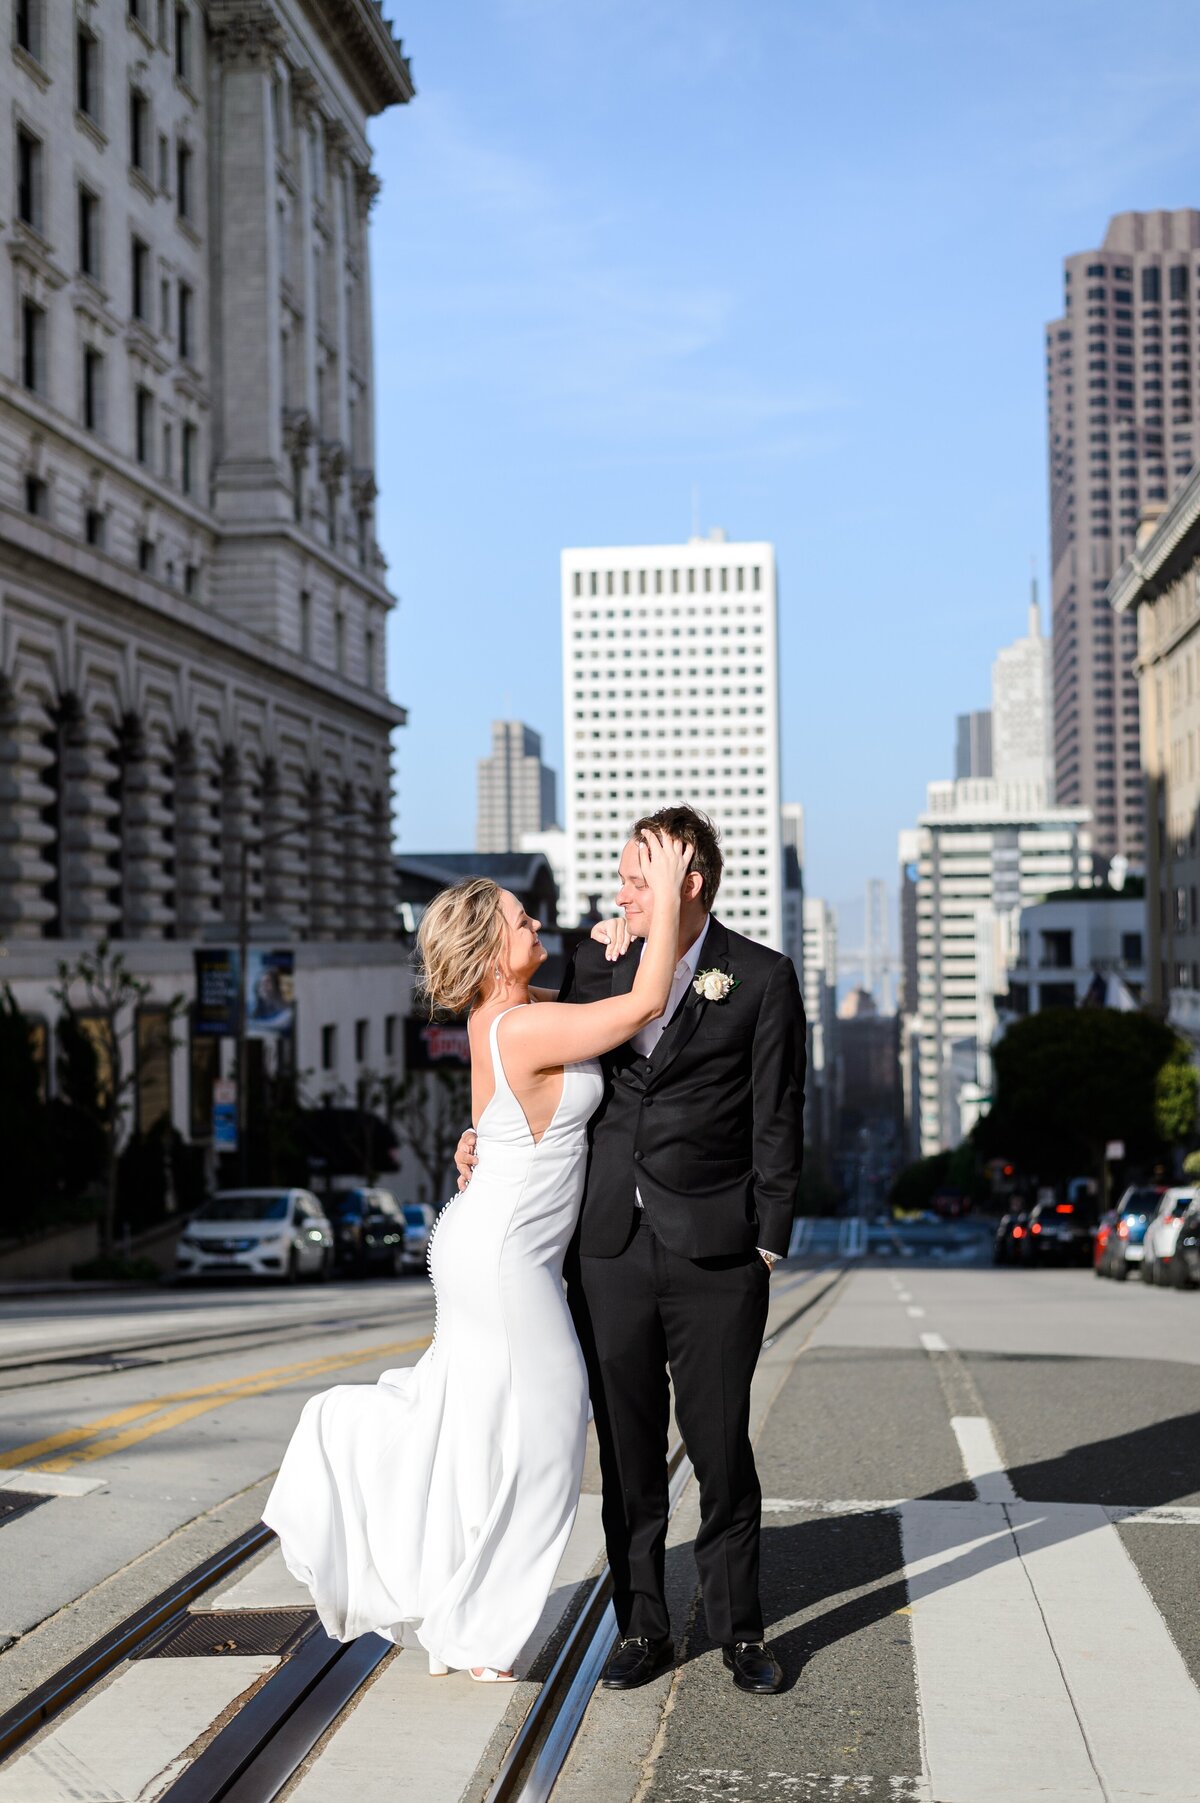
715 985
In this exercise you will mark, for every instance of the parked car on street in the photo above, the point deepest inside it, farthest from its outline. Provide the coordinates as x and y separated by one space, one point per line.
1119 1244
257 1233
1059 1232
1162 1231
418 1225
1010 1231
1185 1266
368 1230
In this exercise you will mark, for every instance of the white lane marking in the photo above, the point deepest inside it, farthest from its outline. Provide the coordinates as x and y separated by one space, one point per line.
1104 1626
998 1722
903 1295
917 1314
1118 1513
981 1458
933 1342
51 1483
95 1758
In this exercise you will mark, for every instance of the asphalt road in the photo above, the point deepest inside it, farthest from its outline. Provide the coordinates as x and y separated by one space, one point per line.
981 1547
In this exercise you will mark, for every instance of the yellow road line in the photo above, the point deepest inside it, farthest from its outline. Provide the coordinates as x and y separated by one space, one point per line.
193 1402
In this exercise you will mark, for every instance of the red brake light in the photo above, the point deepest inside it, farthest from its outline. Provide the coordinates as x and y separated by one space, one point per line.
1064 1208
1018 1233
1036 1227
1123 1230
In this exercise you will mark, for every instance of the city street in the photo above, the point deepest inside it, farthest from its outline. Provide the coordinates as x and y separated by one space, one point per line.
981 1525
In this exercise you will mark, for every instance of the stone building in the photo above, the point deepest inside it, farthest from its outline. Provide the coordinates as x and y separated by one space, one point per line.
1159 588
192 601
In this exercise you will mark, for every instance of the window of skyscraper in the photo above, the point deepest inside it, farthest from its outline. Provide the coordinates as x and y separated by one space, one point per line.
1179 282
1151 285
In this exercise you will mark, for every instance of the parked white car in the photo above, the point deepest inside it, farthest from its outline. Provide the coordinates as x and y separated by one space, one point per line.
1162 1231
257 1233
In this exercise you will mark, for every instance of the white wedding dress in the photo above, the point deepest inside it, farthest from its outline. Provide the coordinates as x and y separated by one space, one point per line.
434 1506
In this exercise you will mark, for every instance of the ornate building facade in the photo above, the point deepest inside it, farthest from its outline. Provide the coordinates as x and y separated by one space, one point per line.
192 600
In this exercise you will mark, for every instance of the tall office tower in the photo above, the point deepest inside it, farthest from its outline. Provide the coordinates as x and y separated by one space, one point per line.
973 744
516 790
876 944
1121 370
192 601
792 833
671 694
1022 713
984 850
819 986
908 852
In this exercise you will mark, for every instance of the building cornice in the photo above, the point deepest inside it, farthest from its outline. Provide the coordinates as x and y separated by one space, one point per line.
1174 543
37 546
363 38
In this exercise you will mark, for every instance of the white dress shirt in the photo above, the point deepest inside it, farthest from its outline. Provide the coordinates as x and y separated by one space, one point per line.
647 1037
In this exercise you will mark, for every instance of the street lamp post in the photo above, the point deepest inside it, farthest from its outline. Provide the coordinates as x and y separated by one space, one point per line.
272 838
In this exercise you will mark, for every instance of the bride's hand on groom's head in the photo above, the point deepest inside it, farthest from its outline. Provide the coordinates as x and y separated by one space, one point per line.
465 1157
614 936
664 861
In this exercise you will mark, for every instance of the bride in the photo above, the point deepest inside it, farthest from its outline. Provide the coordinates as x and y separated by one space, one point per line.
434 1506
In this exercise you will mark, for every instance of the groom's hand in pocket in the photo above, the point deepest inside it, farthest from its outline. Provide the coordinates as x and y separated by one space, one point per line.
465 1158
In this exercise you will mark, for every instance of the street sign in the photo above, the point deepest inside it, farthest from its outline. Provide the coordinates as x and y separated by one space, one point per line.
225 1121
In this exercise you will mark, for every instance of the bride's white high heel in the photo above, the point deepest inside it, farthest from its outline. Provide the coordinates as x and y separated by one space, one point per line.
486 1674
436 1668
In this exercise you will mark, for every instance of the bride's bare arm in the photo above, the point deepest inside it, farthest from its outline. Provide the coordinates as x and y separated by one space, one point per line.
558 1033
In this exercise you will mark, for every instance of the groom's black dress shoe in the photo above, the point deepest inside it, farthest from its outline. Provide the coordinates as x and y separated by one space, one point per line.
636 1661
753 1667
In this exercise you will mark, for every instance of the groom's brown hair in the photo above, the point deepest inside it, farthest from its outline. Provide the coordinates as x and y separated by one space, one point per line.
693 828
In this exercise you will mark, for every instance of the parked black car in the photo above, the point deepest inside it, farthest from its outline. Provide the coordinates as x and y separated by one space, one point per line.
368 1231
1010 1232
1185 1266
1060 1232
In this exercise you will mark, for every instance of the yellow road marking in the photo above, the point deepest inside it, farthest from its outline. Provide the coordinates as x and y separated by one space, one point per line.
193 1402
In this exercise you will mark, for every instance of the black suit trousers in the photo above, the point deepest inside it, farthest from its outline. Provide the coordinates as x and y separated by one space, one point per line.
637 1315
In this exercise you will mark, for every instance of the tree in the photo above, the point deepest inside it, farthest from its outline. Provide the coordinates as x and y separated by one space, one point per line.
1175 1090
1069 1080
431 1109
112 996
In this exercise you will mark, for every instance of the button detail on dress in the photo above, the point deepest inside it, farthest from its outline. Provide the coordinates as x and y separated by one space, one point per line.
637 1158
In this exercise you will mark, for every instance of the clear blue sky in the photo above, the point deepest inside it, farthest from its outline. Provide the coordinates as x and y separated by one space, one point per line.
797 255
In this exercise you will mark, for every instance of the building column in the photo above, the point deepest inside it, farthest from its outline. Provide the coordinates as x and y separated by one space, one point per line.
196 887
88 841
250 473
145 826
24 834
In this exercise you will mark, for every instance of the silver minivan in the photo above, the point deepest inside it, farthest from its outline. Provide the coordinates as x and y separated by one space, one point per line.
257 1233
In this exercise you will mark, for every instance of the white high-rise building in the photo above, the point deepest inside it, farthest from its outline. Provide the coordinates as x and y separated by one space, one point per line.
516 790
671 694
819 984
1023 713
983 853
791 821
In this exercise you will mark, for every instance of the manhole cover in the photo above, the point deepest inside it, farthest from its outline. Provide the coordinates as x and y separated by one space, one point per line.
230 1633
18 1502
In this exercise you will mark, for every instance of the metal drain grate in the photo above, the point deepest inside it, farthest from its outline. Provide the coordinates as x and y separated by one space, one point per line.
228 1633
18 1502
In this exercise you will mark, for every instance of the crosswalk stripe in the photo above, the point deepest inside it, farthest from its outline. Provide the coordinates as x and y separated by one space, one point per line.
997 1720
1109 1638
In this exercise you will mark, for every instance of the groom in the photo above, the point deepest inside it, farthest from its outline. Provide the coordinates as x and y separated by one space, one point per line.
695 1159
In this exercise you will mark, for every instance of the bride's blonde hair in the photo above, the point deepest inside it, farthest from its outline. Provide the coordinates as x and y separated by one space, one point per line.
461 941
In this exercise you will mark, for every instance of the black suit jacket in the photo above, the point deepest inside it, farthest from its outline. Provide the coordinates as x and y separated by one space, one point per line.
710 1127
